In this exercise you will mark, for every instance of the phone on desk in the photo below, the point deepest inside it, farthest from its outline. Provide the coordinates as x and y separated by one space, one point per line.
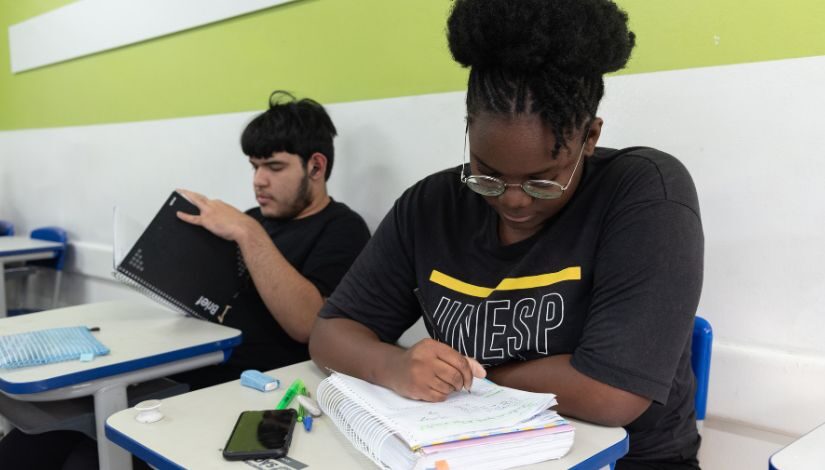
261 435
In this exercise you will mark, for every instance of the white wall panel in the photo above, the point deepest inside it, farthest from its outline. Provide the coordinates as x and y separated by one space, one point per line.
769 388
749 134
90 26
730 445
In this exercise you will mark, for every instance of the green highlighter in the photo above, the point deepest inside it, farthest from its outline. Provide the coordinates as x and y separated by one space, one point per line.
297 387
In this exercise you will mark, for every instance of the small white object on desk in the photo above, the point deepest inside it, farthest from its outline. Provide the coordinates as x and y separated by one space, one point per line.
310 405
148 411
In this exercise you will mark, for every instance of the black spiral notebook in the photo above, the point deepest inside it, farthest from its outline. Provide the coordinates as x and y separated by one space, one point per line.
183 266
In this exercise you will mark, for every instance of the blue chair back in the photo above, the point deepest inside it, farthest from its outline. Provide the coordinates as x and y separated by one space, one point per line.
52 234
6 228
700 361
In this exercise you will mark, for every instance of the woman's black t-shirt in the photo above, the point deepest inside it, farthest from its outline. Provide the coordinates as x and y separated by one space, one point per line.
613 279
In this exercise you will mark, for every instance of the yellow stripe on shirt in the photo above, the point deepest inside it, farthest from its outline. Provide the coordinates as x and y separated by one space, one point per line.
573 273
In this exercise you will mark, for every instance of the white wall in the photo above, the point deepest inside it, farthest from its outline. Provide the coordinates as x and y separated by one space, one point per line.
85 27
748 134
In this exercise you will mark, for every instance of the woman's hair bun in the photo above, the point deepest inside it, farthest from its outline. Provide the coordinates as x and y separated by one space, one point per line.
575 37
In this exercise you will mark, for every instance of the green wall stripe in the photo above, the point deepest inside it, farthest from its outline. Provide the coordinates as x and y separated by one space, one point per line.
351 50
674 34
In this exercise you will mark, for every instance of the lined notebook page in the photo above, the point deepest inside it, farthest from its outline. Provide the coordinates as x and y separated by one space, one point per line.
489 409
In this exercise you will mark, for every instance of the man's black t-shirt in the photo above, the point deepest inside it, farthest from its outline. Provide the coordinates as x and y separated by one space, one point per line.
613 279
321 247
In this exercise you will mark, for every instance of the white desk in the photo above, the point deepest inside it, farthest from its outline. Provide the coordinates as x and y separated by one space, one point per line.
196 426
146 342
805 453
14 249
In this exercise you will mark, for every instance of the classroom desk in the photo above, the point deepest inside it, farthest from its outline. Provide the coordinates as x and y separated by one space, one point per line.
146 342
805 453
13 249
197 424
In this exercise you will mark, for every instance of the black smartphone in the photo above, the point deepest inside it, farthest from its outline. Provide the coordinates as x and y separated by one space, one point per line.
261 435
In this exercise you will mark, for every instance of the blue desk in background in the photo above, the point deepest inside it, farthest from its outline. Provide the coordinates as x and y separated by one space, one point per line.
146 342
17 249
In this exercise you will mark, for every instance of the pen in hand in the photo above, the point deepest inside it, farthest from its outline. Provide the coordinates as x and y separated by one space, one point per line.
476 368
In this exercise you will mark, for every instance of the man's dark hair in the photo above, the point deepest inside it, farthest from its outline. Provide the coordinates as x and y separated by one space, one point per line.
301 127
543 57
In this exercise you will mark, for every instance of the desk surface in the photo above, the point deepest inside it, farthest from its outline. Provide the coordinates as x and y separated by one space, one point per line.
138 335
10 246
804 453
196 426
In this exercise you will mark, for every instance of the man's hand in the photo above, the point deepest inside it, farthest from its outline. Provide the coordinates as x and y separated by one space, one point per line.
431 370
216 216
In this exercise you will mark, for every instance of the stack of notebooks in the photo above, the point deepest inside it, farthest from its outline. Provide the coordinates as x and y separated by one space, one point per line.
491 427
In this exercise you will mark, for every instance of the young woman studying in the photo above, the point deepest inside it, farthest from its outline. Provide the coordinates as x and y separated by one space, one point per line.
558 265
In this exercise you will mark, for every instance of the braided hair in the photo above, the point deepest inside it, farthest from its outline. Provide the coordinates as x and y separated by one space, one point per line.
543 57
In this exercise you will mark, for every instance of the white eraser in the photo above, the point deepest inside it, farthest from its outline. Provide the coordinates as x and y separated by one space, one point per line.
310 405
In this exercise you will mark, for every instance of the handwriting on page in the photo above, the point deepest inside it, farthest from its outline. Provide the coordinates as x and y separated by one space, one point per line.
466 409
489 406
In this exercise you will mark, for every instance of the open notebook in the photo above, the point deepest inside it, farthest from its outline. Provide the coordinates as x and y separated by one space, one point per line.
493 427
179 265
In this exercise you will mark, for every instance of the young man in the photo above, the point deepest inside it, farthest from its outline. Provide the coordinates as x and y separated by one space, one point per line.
297 244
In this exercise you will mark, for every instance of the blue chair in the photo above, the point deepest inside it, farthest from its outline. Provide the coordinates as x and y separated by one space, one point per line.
6 228
700 361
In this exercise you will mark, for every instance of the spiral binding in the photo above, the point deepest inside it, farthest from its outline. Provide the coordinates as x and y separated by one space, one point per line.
356 419
154 293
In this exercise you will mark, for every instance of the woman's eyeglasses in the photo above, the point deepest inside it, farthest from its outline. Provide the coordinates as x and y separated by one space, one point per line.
539 189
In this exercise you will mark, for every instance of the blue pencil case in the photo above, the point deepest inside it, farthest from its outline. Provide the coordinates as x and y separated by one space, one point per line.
48 346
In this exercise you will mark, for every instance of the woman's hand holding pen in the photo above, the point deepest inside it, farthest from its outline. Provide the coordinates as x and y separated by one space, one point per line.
431 370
